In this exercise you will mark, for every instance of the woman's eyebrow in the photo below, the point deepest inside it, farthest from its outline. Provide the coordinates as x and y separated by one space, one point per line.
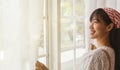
94 19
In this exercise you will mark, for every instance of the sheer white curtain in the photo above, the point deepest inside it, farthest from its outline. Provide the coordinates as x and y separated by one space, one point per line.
19 33
92 5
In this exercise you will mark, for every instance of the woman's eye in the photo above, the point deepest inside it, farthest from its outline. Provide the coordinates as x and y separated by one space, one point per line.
95 21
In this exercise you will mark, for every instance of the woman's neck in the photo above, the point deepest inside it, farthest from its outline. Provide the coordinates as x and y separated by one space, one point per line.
102 42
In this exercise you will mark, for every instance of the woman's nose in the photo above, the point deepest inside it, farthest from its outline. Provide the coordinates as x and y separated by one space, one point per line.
91 26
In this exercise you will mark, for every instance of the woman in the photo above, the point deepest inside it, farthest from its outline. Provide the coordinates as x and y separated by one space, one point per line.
105 29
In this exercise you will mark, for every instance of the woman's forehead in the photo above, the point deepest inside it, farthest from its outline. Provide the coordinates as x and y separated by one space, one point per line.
98 19
94 18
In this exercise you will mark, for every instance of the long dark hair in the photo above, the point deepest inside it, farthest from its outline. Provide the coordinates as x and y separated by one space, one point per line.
114 36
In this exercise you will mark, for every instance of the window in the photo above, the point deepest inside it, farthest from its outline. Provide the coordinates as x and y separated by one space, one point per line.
43 47
72 33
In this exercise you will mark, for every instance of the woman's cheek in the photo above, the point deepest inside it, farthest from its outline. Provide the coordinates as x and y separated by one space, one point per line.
97 27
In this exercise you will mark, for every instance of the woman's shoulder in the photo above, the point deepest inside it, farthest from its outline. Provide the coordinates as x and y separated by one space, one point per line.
97 57
99 53
92 55
103 54
104 50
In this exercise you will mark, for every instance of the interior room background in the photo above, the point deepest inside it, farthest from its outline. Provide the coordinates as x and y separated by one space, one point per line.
54 32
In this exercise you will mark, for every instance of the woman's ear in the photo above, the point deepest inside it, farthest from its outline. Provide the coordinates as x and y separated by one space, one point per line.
110 27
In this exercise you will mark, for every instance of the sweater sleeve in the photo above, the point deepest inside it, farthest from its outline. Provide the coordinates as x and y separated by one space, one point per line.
95 61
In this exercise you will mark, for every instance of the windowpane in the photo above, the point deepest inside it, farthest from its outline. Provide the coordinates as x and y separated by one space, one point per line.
42 45
66 34
67 60
72 33
79 7
79 30
79 54
42 60
66 7
42 37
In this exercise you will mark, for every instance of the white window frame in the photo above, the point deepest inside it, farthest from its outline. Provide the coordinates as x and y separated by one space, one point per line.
53 42
54 34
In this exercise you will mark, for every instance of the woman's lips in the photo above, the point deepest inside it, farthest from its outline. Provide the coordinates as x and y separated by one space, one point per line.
92 32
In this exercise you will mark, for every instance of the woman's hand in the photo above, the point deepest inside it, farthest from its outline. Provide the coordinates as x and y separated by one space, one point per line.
92 47
40 66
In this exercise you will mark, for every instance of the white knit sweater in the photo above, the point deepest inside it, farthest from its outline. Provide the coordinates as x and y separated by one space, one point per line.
98 59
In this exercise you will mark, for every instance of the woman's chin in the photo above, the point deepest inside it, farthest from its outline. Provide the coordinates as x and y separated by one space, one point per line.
92 37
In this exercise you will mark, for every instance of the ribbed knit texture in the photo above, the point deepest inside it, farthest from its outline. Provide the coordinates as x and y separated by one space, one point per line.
98 60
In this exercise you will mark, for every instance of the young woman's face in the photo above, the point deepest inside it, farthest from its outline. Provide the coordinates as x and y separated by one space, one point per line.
97 29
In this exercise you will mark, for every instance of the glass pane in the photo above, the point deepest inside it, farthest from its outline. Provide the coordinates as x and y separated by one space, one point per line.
66 34
41 51
66 7
79 29
42 43
67 60
41 46
79 7
42 60
79 54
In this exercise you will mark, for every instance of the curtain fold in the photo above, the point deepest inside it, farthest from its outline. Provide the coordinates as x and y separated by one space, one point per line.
19 33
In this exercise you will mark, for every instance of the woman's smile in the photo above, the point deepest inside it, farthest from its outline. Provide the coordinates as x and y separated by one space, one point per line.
92 32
